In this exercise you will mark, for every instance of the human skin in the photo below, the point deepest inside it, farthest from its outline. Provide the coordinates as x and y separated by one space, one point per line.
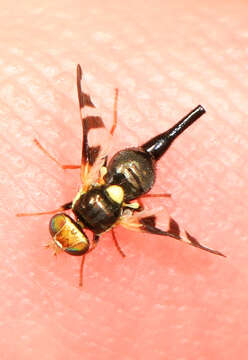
165 300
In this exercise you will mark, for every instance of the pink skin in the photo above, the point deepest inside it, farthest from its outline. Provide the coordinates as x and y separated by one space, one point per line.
165 300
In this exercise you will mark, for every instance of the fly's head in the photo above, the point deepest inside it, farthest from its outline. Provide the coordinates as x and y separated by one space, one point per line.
67 235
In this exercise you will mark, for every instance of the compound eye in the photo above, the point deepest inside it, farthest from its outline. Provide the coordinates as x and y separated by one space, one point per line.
68 235
78 249
56 223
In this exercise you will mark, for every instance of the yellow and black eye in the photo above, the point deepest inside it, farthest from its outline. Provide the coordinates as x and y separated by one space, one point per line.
68 235
56 224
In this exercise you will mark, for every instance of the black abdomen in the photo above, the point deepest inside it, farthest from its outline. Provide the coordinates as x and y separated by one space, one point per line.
133 170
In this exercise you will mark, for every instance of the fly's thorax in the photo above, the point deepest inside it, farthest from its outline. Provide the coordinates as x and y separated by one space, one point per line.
77 197
67 235
134 170
100 207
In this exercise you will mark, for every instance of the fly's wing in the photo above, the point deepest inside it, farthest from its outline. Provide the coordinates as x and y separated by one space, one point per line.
96 138
132 220
146 221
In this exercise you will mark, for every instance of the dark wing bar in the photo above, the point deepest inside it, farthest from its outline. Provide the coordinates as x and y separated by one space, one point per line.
89 154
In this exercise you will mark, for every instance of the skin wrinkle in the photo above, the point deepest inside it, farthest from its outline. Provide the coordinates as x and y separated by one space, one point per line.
209 58
115 316
34 162
48 83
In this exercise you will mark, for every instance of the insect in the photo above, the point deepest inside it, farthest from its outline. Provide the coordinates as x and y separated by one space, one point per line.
112 191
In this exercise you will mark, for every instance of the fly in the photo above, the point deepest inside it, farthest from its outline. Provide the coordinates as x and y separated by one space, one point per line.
112 191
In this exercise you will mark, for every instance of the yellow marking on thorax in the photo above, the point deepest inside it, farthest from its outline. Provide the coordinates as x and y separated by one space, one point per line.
116 193
77 197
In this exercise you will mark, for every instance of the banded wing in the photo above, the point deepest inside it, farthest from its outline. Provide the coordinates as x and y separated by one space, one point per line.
146 221
96 139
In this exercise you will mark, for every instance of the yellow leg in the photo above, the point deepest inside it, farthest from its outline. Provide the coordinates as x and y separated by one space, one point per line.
117 244
37 143
64 207
115 112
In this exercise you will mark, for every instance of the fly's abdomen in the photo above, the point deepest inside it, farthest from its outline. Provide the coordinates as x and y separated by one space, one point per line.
133 170
99 208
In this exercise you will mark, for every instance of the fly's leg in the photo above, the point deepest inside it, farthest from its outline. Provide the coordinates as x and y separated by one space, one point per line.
115 112
81 271
66 206
155 195
117 244
37 143
72 167
95 242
